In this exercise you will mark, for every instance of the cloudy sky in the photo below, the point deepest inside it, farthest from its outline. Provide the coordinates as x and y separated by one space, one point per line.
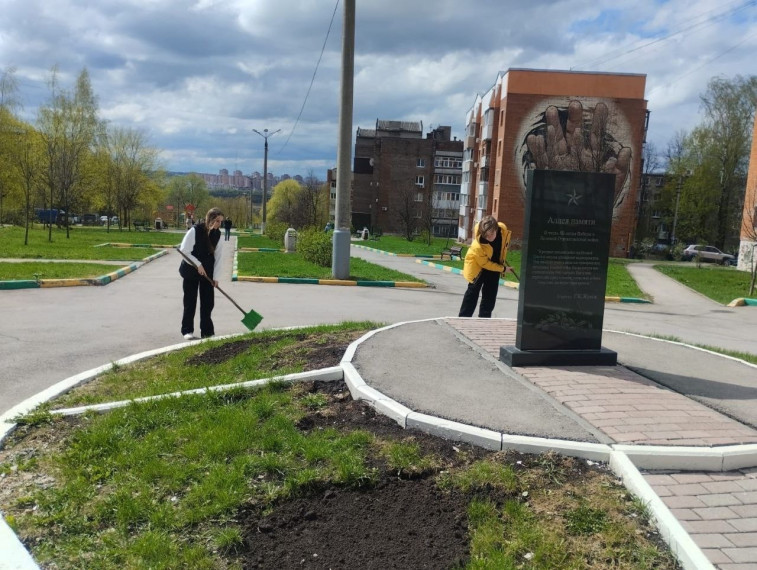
199 75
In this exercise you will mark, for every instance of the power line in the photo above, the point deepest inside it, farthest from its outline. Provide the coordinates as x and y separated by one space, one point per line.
312 80
620 52
705 64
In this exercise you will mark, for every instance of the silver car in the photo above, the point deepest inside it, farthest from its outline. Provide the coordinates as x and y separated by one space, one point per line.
707 253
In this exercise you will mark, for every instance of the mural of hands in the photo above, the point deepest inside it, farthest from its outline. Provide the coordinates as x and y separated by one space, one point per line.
572 139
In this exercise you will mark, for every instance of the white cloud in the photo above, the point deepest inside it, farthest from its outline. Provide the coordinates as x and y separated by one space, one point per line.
199 75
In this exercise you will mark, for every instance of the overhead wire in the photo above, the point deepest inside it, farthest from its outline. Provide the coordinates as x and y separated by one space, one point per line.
697 23
312 80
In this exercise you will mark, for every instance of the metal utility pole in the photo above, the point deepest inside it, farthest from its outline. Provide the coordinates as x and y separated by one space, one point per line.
265 134
675 213
340 253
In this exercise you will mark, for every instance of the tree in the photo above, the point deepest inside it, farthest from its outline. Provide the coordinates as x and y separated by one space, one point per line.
285 203
721 145
314 201
408 210
70 129
25 159
9 104
129 163
188 189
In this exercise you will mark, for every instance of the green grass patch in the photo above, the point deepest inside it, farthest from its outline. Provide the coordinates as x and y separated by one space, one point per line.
746 356
252 356
81 243
721 284
276 264
258 241
619 280
398 244
51 270
163 484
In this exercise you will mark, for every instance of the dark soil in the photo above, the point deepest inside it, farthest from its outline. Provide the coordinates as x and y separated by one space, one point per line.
404 521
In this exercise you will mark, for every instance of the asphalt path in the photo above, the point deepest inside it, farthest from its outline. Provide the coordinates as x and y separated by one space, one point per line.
47 335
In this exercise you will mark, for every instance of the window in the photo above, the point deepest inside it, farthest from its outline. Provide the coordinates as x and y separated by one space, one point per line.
447 162
419 197
502 118
420 163
499 148
420 181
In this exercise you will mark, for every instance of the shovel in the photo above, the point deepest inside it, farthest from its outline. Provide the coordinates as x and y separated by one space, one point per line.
251 319
512 271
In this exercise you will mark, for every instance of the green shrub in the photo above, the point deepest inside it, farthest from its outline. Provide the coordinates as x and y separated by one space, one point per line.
276 231
315 246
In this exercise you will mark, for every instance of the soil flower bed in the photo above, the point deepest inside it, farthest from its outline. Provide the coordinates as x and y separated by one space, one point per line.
301 476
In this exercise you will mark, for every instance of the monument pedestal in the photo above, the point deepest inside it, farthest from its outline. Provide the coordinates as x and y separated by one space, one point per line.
513 356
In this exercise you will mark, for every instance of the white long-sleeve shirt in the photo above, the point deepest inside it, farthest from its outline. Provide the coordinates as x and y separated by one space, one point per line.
188 244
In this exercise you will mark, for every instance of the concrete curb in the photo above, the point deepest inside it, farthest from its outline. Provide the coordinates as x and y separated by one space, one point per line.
102 280
622 459
382 252
457 271
681 544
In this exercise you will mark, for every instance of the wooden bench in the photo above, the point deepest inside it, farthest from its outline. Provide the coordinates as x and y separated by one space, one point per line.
452 252
141 226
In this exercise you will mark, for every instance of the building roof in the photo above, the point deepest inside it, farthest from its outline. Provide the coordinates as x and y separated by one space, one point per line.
370 133
408 126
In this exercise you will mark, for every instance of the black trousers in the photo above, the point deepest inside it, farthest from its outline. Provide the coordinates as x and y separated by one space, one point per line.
486 284
227 234
191 288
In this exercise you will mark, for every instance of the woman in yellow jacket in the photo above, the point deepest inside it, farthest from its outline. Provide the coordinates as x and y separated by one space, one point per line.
484 264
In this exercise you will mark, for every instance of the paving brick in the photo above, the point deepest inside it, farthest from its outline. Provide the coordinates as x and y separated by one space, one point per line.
720 500
744 525
747 497
659 479
709 527
748 484
716 513
741 554
716 556
742 538
688 501
722 487
686 515
716 540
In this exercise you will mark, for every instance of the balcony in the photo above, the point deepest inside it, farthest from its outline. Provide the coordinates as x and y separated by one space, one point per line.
484 162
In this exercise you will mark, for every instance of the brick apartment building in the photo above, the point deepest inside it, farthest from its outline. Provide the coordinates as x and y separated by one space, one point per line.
748 243
394 163
558 120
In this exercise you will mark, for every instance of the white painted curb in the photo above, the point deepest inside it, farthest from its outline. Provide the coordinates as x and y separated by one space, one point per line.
681 544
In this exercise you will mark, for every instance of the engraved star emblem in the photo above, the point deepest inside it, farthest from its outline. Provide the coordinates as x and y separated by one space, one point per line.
574 198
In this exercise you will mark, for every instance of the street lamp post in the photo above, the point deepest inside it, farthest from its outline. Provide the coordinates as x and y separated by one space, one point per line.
265 134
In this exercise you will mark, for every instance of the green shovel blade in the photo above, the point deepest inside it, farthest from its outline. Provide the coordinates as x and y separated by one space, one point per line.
252 319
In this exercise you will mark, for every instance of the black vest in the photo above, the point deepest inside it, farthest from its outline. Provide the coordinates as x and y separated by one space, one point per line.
205 246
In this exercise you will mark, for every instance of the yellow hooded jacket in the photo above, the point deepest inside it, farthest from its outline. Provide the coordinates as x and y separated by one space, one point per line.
479 255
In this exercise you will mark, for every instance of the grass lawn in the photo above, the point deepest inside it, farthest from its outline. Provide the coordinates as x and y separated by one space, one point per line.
721 284
619 281
32 270
80 244
397 244
276 264
258 241
188 482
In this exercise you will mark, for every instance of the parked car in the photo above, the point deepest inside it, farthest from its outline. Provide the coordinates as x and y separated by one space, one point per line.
114 221
707 253
89 219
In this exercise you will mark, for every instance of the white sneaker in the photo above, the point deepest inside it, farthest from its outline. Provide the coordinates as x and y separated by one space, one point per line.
189 336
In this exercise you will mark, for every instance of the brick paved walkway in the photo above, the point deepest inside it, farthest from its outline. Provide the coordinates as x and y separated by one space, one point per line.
622 404
718 510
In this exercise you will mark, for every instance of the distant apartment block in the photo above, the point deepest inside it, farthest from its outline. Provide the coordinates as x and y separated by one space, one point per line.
397 172
560 120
